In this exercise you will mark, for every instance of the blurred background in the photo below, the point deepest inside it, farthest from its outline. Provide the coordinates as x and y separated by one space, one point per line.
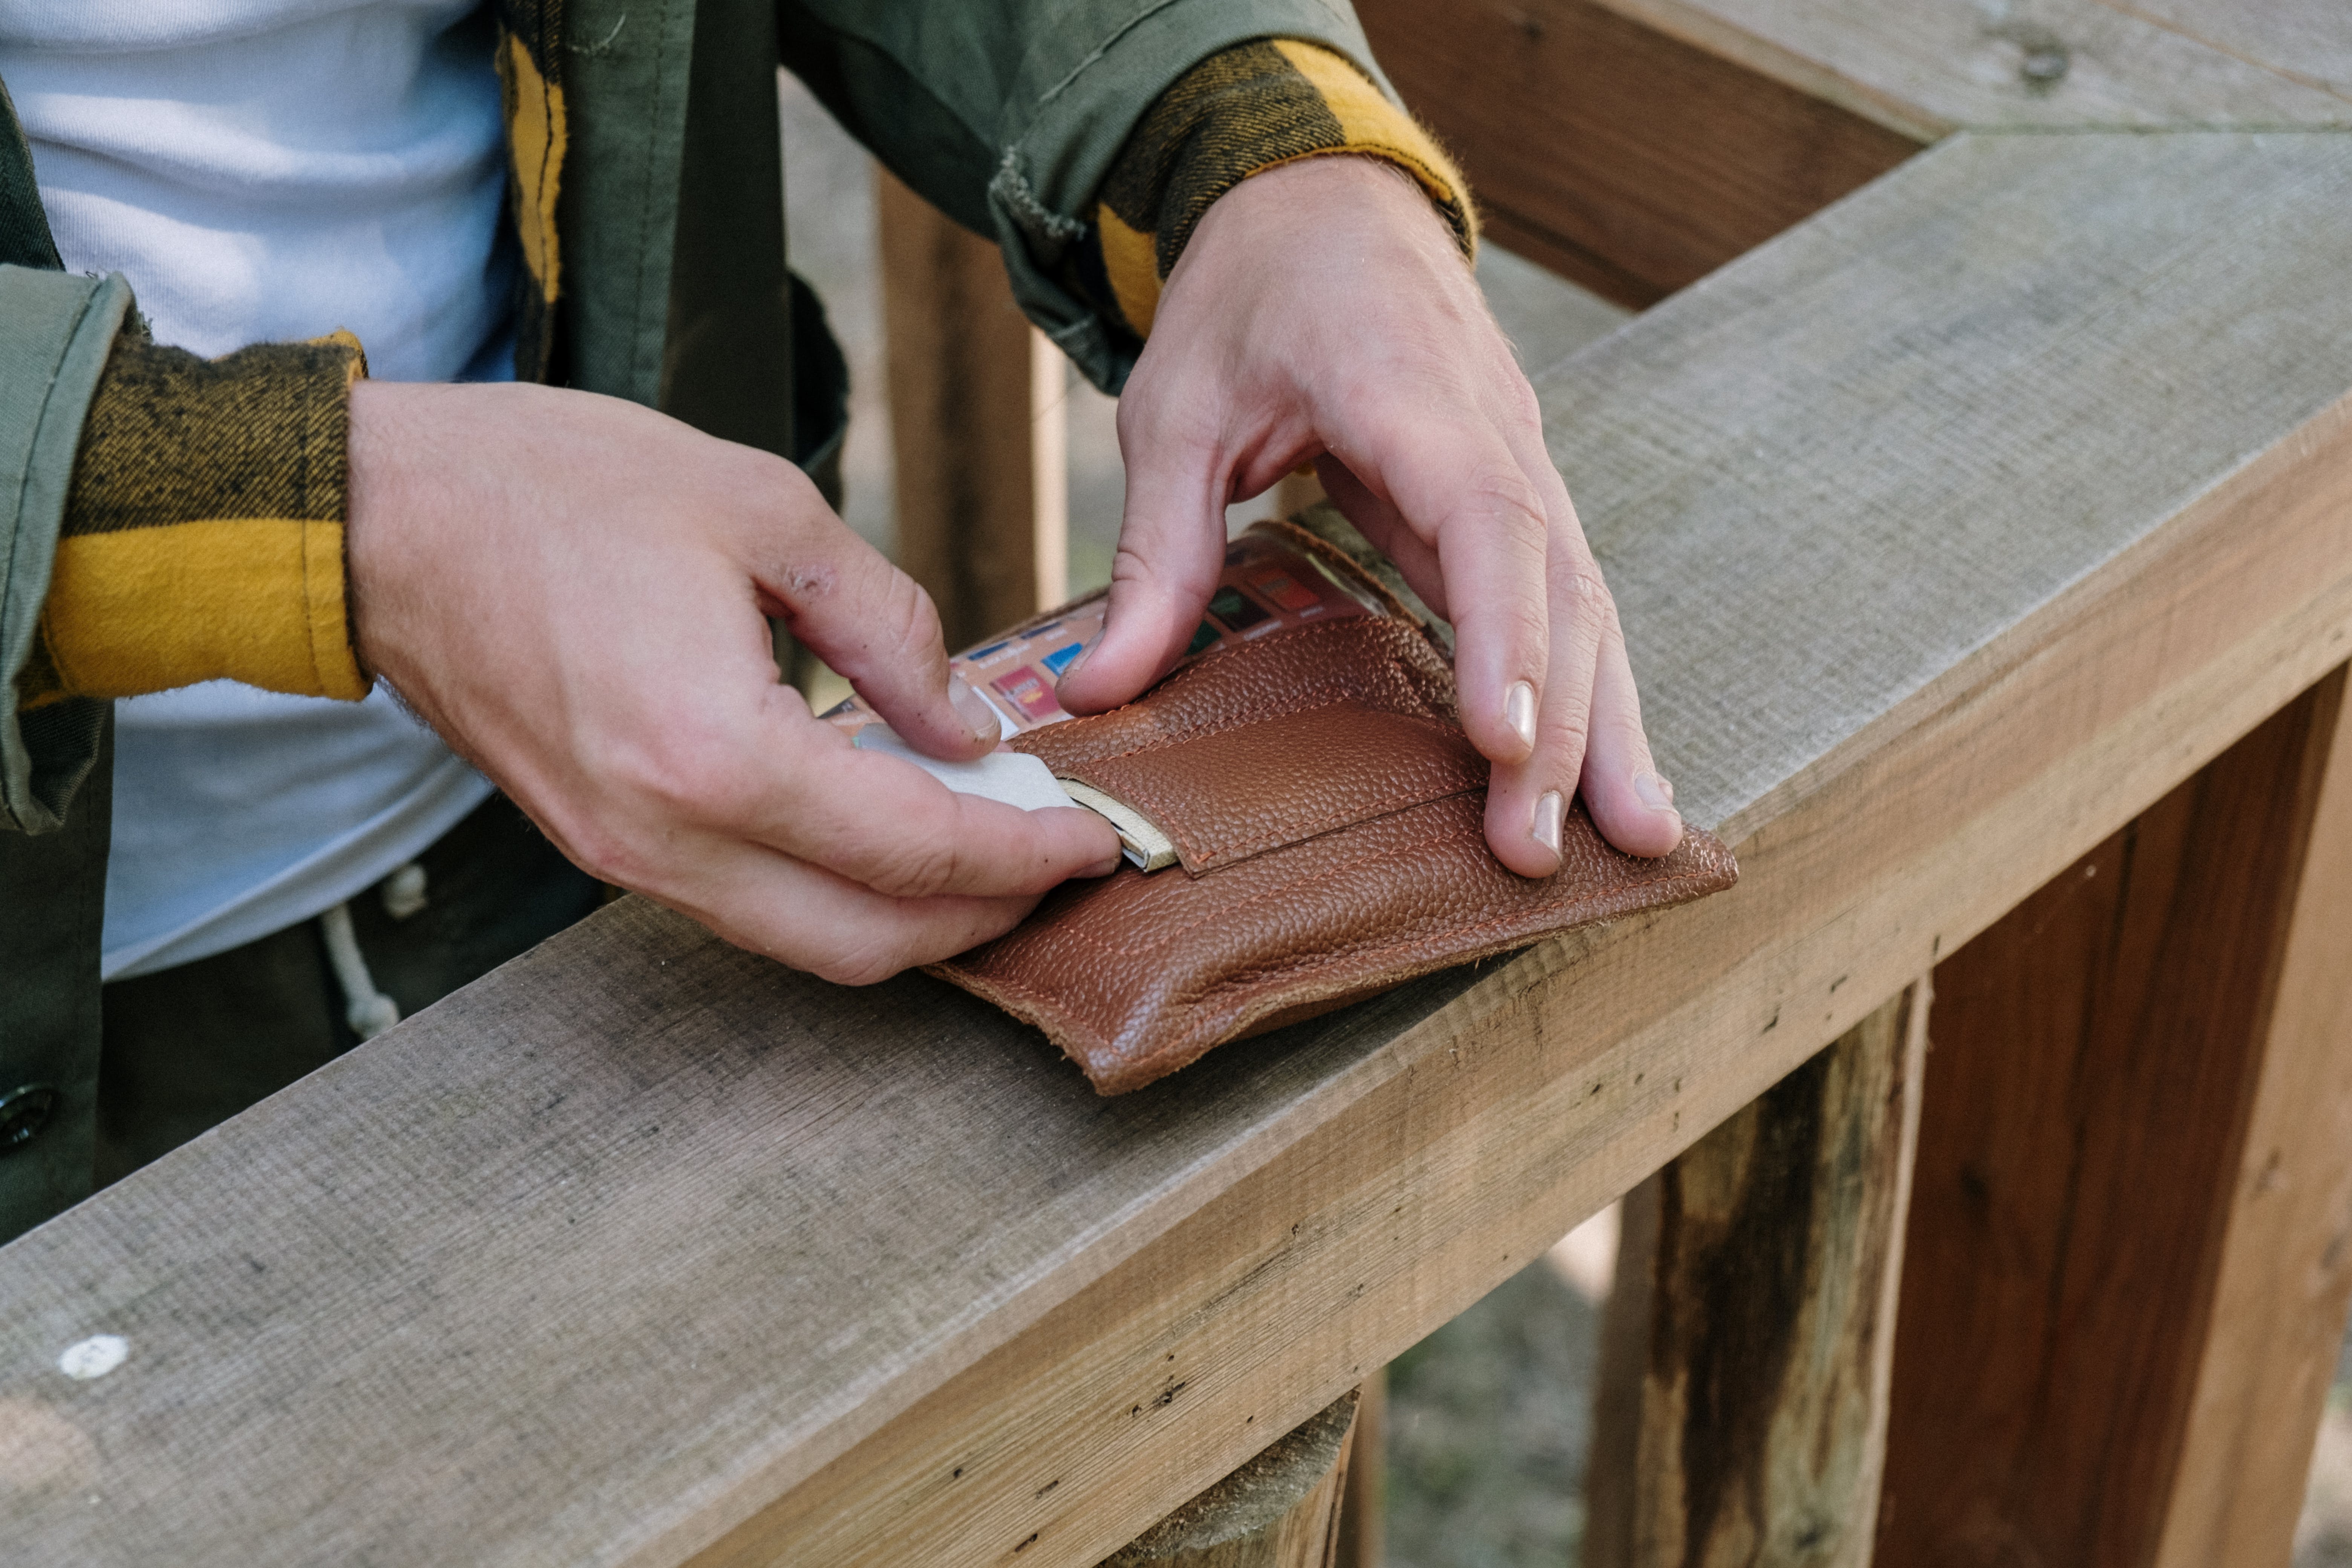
1489 1420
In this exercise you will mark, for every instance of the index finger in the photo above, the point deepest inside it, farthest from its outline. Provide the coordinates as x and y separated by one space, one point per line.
874 626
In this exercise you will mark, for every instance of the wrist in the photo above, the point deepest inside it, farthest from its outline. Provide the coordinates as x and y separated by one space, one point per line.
1236 117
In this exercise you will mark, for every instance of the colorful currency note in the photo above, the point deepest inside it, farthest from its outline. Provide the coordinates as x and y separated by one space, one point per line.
1265 586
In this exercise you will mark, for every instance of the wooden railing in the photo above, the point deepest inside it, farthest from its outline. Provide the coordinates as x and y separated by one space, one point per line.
1985 543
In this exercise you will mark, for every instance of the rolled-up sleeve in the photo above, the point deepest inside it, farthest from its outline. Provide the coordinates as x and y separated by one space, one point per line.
1010 116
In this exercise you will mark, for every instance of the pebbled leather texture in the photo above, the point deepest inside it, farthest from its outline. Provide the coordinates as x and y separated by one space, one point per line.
1329 816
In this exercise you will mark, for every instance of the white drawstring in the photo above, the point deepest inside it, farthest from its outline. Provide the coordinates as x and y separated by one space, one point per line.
404 892
368 1010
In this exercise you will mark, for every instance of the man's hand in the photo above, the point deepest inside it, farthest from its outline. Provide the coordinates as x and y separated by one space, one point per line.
1321 310
570 589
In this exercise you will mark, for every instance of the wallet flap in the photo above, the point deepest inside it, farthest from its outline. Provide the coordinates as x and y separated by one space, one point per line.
1372 661
1297 734
1226 795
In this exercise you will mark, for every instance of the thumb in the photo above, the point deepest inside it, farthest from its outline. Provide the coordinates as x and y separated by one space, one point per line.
1171 546
876 626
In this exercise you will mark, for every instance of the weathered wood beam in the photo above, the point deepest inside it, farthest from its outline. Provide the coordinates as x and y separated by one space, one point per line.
1742 1411
977 423
1636 145
2127 1277
647 1250
1927 68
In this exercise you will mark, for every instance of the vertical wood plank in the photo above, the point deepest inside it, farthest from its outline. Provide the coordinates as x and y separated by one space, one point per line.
2286 1262
976 417
1363 1505
2126 1275
1282 1510
1628 160
1742 1408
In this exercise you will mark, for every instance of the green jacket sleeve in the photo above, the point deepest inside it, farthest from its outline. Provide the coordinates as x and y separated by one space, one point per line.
56 330
1008 114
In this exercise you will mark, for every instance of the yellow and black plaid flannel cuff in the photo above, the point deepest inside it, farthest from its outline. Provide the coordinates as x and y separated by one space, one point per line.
1237 113
203 529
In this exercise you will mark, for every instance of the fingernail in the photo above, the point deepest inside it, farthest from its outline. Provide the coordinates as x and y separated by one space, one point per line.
1545 829
1074 666
1656 792
1520 711
974 710
1104 868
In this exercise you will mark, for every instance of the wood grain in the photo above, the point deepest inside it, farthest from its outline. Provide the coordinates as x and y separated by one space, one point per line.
1926 68
1281 1510
1618 157
1744 1405
1363 1505
645 1249
1911 302
2099 1055
2305 41
2282 1272
982 525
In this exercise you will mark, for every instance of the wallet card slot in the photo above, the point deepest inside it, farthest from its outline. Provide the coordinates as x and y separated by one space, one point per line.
1232 792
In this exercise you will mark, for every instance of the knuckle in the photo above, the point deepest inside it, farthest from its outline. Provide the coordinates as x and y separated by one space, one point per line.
895 627
690 777
758 487
913 619
1520 407
1582 586
603 854
1569 730
917 871
1583 599
1508 497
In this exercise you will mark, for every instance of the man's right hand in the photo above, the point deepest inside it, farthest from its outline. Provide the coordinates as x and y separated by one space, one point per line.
572 590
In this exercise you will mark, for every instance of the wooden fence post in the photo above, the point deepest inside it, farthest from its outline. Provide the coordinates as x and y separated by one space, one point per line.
1279 1510
978 424
2128 1256
1742 1410
1363 1503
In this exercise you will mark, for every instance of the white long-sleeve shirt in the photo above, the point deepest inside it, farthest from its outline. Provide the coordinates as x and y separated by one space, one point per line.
264 171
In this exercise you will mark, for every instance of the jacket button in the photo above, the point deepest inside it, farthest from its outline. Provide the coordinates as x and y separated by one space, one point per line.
24 1112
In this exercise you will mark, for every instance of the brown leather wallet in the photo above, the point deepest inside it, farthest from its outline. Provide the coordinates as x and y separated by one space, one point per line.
1329 815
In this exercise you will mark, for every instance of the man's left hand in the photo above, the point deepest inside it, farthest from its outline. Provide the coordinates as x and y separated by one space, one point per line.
1321 311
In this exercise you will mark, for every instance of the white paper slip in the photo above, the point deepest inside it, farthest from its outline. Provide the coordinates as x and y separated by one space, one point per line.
1013 777
1146 848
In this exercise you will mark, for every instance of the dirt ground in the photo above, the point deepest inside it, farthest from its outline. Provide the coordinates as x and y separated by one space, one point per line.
1489 1419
